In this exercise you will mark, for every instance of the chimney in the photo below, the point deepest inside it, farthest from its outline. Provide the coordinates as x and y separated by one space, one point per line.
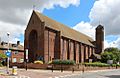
18 42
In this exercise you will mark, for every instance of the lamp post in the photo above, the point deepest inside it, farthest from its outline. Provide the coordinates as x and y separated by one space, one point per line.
26 53
8 34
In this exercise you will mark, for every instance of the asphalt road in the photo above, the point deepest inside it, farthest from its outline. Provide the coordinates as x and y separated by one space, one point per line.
31 73
97 74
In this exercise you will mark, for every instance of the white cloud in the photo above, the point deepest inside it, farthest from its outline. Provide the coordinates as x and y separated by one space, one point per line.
16 11
107 13
106 44
85 28
14 14
115 43
62 3
14 30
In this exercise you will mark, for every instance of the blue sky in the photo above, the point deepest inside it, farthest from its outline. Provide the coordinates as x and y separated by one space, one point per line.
111 38
82 15
69 16
72 15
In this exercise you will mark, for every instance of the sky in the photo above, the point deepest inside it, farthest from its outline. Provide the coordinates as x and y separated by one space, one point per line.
81 15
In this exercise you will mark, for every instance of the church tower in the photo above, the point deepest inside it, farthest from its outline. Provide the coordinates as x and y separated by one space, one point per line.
99 39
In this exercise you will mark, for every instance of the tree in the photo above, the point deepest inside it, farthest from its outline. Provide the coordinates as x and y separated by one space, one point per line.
112 49
107 56
117 56
2 56
111 54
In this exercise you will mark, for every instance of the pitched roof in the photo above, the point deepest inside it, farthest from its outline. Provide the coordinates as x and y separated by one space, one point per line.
65 31
4 45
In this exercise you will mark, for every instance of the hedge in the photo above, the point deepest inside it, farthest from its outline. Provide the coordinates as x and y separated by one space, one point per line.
97 64
64 62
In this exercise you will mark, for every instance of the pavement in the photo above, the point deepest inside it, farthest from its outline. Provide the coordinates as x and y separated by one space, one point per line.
35 73
111 73
38 73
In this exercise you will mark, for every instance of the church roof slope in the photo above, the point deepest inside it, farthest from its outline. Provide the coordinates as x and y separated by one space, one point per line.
65 31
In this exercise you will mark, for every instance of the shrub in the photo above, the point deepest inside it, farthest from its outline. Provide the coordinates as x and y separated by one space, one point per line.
118 65
38 62
65 62
97 64
113 65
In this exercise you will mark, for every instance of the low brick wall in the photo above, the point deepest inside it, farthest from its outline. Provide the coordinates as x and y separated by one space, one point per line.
19 65
29 65
37 66
89 68
64 67
58 67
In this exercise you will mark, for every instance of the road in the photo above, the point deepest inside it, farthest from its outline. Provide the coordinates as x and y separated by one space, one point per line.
33 73
97 74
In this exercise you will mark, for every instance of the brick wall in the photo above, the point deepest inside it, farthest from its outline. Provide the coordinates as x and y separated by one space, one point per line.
49 44
38 26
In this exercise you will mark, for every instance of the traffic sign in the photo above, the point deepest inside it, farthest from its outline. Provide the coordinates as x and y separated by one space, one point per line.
8 53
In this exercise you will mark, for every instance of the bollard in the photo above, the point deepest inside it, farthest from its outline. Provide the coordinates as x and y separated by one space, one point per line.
52 68
26 66
14 70
61 68
73 70
78 66
116 66
83 70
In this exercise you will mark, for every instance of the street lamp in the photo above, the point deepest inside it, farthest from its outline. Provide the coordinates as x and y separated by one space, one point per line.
8 34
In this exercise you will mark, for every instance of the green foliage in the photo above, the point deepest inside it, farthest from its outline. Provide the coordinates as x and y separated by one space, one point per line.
3 56
107 56
1 64
65 62
112 49
118 65
117 57
113 65
111 54
97 64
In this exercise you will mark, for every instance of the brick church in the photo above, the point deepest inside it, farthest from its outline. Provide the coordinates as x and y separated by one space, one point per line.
47 39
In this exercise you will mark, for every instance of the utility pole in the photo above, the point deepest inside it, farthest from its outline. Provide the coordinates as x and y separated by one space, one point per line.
8 34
